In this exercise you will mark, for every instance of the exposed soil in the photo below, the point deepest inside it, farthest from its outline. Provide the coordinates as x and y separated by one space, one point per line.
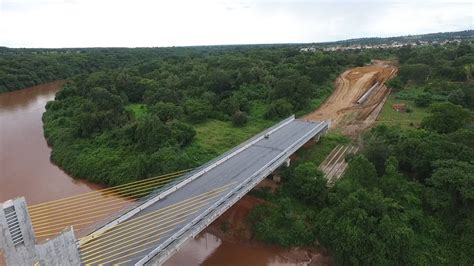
233 226
347 116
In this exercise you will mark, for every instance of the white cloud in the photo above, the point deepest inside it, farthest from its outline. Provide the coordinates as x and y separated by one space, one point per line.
131 23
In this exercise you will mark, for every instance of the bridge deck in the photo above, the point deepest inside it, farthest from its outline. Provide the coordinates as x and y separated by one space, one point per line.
170 227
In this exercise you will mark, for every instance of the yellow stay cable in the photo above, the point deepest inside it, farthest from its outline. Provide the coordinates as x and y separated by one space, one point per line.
139 192
134 248
84 212
134 238
101 242
97 193
36 206
95 259
128 224
119 230
55 232
60 226
110 195
133 253
58 230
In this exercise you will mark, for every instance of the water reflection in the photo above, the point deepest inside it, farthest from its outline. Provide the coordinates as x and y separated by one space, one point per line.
208 249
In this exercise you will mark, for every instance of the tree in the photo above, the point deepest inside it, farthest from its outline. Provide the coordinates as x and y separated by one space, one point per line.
395 83
450 189
366 228
450 196
167 111
377 152
423 99
239 118
309 184
414 72
446 118
457 97
151 134
237 102
361 170
182 133
197 110
279 109
296 89
105 100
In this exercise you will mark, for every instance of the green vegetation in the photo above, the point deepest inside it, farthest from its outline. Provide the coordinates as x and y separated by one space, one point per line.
408 198
137 109
410 202
325 145
411 118
129 114
433 38
180 107
429 75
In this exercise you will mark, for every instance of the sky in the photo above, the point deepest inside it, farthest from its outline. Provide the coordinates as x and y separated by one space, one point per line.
157 23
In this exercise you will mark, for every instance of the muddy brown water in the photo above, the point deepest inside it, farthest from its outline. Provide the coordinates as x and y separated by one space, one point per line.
26 170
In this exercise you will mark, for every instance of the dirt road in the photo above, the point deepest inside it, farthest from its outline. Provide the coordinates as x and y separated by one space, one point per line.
342 109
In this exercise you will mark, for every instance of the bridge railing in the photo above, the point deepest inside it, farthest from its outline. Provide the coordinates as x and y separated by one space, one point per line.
220 157
182 181
209 215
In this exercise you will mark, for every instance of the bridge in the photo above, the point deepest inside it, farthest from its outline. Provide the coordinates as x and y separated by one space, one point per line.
155 227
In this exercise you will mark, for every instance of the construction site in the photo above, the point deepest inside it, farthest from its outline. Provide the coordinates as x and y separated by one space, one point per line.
354 106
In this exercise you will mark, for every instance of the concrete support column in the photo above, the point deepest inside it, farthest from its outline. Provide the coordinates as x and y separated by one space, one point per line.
18 243
16 233
316 138
287 162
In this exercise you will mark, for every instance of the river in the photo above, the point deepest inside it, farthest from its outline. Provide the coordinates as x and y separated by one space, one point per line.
26 170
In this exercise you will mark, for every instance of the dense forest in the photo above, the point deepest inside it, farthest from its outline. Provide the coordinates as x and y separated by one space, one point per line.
120 124
407 198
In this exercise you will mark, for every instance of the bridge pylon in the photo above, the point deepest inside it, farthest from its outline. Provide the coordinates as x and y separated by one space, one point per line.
18 242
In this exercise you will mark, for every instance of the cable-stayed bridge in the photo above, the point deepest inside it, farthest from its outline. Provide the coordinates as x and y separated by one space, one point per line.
119 229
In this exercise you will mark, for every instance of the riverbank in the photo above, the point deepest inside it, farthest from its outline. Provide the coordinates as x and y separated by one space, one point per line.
25 155
234 227
27 171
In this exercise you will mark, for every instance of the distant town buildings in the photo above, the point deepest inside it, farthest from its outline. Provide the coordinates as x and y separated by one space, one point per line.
395 44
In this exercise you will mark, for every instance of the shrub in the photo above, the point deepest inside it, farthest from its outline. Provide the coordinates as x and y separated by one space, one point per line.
423 100
445 118
279 109
239 118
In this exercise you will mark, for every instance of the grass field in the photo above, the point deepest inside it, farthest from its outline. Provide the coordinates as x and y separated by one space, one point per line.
219 136
215 137
318 152
411 118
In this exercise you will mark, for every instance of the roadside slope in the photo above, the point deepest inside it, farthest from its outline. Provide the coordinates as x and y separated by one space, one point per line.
346 115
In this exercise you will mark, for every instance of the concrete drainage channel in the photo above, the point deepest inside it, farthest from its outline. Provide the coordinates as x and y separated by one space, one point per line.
335 164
